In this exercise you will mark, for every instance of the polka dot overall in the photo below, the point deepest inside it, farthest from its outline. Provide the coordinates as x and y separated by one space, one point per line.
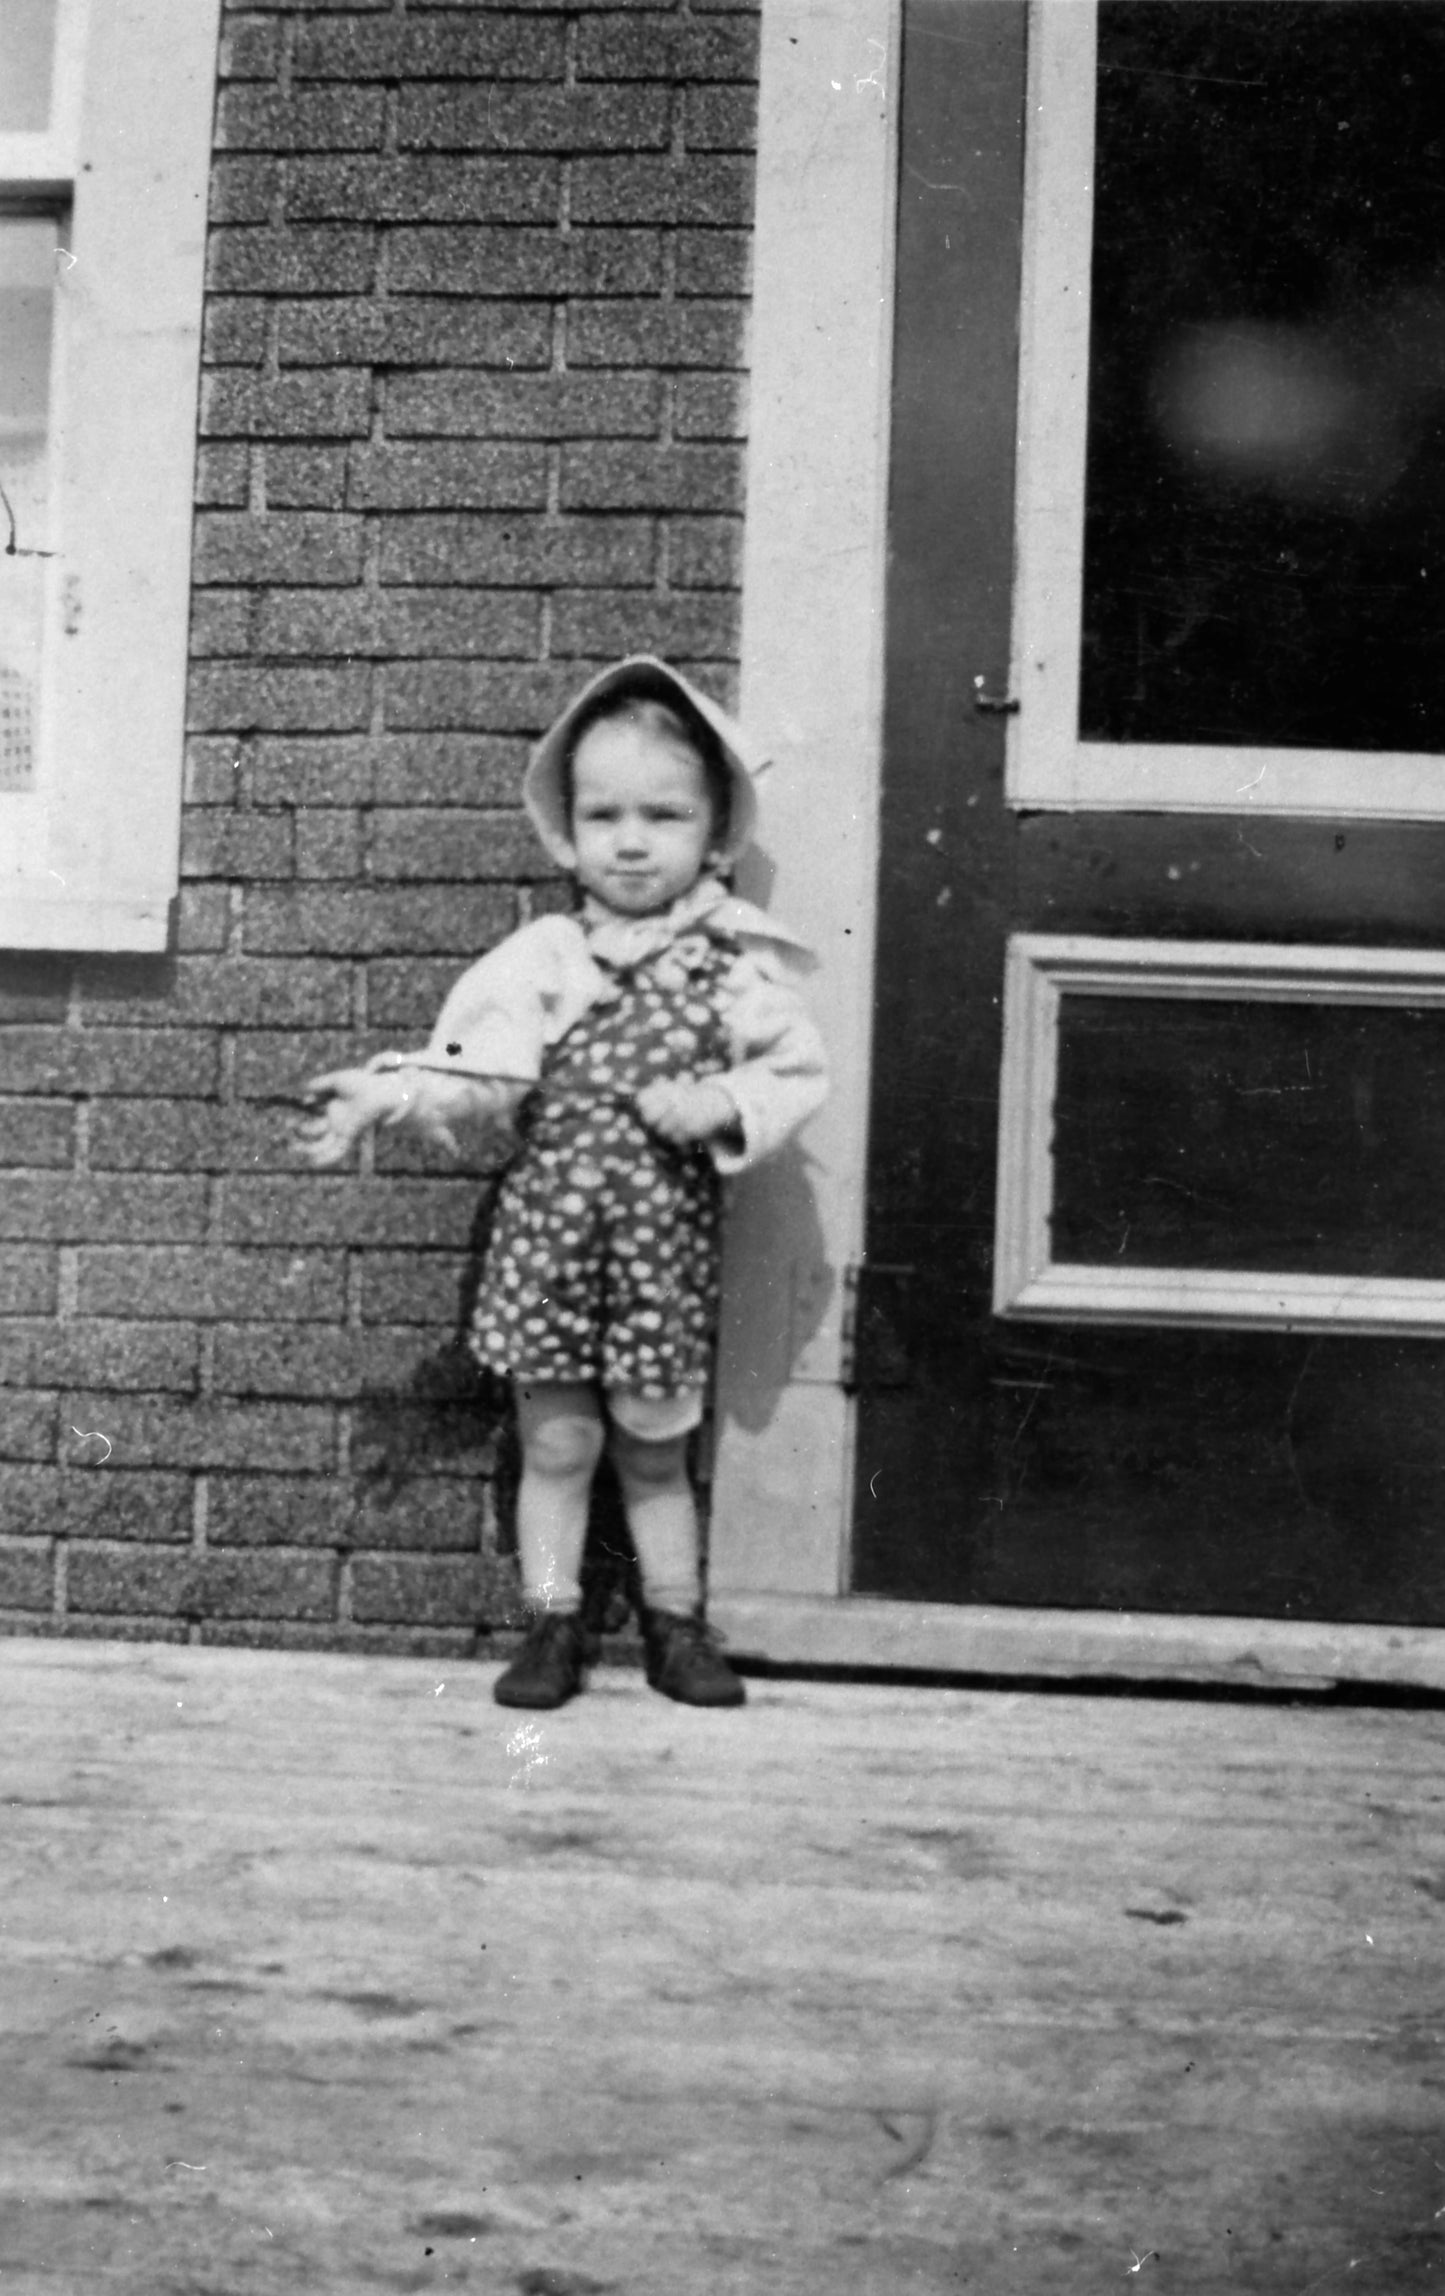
603 1261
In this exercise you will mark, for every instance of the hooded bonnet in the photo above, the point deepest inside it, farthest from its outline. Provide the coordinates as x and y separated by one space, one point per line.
544 784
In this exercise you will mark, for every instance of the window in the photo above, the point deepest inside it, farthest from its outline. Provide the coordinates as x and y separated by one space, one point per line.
105 119
1232 521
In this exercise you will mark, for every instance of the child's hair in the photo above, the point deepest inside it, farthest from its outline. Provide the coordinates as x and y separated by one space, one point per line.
656 704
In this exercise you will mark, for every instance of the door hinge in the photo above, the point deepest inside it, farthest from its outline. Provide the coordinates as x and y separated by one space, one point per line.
875 1327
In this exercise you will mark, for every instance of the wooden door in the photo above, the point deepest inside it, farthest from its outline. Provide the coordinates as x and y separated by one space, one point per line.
1243 1131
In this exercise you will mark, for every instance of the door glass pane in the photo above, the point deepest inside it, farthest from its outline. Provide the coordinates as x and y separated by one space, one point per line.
1265 519
27 59
27 300
1284 1137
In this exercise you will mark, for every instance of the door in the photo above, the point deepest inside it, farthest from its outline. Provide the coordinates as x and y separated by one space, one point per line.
1152 1314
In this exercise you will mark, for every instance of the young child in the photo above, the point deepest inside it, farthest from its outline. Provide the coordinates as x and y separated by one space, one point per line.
639 1051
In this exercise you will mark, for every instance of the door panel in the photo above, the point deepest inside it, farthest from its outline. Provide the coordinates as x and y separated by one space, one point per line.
1245 1472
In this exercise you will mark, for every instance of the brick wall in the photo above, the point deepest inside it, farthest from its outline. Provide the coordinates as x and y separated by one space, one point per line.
470 425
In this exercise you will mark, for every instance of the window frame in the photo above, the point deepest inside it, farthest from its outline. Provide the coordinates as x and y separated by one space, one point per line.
1048 765
89 855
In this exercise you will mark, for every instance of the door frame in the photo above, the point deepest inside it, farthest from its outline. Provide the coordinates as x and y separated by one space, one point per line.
812 686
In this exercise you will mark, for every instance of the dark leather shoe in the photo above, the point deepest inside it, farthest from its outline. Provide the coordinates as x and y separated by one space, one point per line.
549 1667
684 1662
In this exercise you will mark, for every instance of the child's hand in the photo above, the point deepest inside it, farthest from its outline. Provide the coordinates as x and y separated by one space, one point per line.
348 1102
685 1109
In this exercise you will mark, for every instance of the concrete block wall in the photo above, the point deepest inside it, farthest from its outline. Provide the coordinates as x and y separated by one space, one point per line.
470 424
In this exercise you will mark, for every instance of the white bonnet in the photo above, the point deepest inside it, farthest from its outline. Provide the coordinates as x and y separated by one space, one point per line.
544 784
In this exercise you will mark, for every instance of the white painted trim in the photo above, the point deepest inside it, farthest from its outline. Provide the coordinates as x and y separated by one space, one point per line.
948 1638
1048 765
812 690
1029 1283
98 867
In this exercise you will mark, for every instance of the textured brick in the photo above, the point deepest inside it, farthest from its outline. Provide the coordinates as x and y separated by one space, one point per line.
278 547
247 259
434 1593
424 189
404 995
304 119
704 553
80 1210
28 1426
26 1579
220 623
34 988
279 700
478 261
460 46
98 1502
410 1287
271 1063
313 771
234 333
662 190
66 1060
304 477
709 406
518 550
197 1280
34 1133
169 1136
713 262
136 1580
696 625
244 190
721 119
448 769
328 842
373 921
480 477
480 697
250 49
664 478
600 118
320 405
308 1359
215 764
417 332
206 1431
435 843
672 47
216 841
241 992
223 477
282 1511
636 334
203 919
312 1210
101 1356
28 1278
408 622
522 406
285 1510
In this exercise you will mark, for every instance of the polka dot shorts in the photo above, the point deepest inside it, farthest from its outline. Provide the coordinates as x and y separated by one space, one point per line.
603 1261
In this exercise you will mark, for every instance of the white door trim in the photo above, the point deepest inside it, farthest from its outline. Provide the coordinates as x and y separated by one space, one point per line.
812 691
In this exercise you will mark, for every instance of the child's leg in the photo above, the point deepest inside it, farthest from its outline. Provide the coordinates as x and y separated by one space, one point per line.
649 1447
662 1517
562 1435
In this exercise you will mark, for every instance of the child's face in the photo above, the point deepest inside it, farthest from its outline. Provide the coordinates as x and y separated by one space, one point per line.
641 816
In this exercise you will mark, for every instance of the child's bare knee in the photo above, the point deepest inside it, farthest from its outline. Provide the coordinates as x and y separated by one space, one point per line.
562 1435
649 1465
